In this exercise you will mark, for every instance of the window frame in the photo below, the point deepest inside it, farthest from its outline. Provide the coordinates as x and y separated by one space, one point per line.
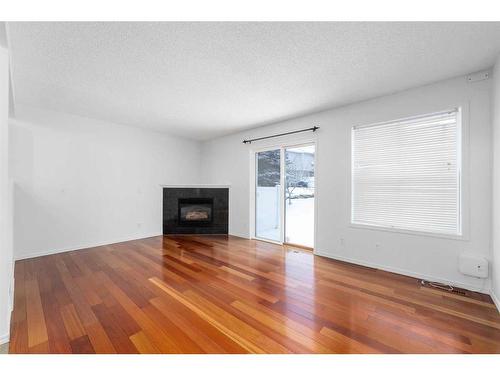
462 178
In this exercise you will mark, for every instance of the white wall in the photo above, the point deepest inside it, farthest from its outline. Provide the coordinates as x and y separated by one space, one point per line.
496 184
80 182
227 160
6 264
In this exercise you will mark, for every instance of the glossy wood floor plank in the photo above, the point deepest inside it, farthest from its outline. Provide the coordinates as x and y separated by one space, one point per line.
219 294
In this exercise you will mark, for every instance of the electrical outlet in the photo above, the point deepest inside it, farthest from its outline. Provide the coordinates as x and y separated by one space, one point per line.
342 242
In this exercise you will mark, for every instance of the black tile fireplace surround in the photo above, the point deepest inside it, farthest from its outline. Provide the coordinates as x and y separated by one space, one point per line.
195 210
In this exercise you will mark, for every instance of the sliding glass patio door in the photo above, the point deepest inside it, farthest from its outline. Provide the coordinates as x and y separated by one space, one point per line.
284 195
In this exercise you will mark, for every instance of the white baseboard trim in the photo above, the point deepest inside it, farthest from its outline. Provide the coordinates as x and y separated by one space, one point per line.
11 293
496 300
403 272
4 338
86 246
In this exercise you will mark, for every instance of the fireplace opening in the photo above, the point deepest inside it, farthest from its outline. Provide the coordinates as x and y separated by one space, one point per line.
195 211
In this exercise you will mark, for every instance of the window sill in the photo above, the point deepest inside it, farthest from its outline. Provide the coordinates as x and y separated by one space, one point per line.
461 237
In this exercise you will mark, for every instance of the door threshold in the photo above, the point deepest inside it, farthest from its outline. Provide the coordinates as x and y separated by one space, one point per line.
289 244
268 241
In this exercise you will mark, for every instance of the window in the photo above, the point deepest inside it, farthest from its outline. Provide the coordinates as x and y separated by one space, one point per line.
406 174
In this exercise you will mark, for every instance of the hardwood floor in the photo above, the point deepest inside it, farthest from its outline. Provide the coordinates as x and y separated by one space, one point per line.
216 294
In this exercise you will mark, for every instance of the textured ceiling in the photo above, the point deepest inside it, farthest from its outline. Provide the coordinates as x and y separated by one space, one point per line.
203 80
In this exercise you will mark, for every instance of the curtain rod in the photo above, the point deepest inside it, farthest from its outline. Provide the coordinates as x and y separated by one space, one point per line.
313 129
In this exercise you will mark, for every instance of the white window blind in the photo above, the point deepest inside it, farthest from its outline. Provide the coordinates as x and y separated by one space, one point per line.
406 174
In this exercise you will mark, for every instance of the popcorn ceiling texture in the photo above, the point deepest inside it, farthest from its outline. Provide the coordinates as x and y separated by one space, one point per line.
203 80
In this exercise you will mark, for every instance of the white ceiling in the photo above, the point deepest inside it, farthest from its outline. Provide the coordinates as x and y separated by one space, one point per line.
203 80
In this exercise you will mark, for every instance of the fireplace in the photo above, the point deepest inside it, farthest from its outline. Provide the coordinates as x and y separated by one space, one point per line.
195 211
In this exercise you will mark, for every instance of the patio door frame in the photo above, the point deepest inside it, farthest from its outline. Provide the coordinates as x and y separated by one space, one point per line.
305 141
